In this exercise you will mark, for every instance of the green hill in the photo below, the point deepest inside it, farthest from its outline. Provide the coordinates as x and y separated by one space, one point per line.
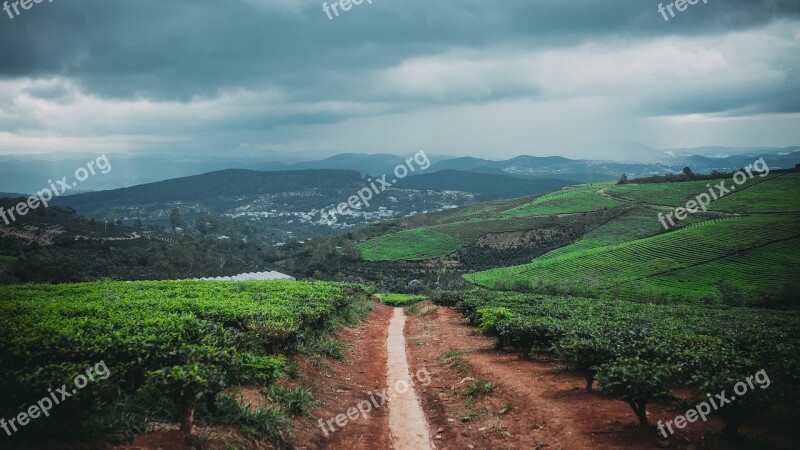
440 235
629 266
605 240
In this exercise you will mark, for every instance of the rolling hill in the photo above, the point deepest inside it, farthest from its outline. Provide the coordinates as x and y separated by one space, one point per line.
564 242
225 183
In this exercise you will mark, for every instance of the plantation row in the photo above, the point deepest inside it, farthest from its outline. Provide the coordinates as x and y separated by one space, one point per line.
573 199
675 194
413 245
758 195
639 352
183 342
587 271
758 269
631 224
481 211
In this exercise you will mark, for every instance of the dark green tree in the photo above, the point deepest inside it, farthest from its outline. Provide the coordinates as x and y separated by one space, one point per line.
175 220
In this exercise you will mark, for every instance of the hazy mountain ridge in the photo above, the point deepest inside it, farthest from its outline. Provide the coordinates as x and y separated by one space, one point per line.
29 174
565 168
221 183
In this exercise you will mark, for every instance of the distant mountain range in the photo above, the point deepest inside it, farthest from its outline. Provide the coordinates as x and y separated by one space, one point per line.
590 170
31 173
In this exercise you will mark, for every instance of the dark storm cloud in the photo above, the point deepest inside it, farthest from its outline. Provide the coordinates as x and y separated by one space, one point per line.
180 49
209 75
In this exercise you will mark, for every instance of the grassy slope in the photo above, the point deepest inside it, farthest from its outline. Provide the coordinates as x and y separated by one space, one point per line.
675 194
442 234
416 244
752 251
606 268
764 267
573 199
635 224
778 194
630 256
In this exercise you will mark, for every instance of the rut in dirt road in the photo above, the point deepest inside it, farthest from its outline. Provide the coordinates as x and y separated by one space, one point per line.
407 425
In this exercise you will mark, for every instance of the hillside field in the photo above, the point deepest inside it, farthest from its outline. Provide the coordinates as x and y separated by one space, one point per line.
605 240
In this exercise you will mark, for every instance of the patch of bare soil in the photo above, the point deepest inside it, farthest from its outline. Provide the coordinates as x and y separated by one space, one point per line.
33 234
517 239
533 405
340 386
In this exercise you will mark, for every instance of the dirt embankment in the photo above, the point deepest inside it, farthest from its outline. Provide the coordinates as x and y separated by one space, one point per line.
340 386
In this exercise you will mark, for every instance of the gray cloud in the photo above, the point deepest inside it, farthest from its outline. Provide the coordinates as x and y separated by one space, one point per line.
211 74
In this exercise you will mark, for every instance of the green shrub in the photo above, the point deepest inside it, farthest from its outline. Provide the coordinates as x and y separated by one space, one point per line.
296 400
634 381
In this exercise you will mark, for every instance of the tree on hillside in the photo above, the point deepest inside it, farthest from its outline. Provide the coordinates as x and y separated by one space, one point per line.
200 223
175 220
623 179
688 173
349 251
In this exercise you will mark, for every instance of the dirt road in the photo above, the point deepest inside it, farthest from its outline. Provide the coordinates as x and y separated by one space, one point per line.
407 424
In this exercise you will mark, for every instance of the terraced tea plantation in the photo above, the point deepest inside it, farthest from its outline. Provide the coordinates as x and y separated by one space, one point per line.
605 240
417 244
173 349
445 233
570 200
753 240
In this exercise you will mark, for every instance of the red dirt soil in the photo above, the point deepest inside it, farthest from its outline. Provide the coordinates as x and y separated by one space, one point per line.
545 408
342 385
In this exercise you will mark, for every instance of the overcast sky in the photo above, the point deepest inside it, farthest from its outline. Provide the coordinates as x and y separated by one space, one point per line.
464 77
